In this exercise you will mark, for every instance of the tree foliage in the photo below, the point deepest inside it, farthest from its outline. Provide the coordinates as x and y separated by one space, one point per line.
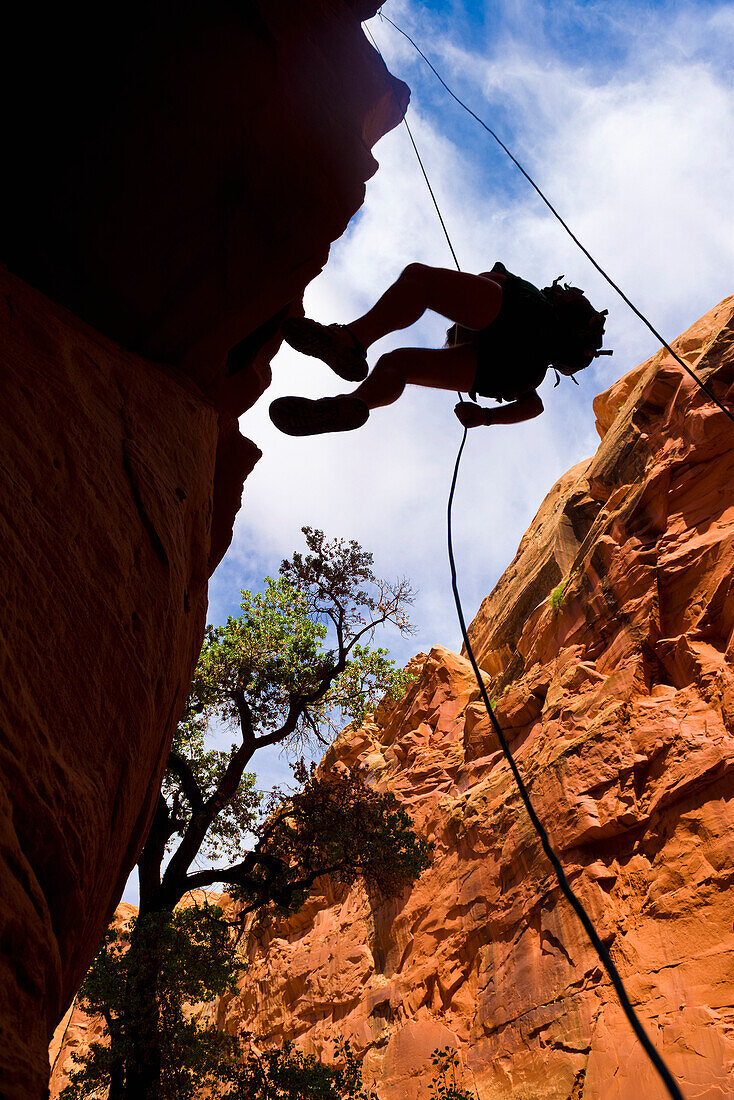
190 953
269 674
335 825
292 666
284 1073
444 1084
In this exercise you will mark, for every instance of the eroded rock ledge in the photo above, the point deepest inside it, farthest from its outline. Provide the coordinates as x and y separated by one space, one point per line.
170 185
619 702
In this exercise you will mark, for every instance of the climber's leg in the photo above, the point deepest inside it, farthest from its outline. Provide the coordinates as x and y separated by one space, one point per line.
447 369
471 300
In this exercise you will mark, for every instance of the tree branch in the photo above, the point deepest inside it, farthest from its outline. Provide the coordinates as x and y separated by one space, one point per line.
291 888
174 882
181 769
238 875
151 857
245 716
366 630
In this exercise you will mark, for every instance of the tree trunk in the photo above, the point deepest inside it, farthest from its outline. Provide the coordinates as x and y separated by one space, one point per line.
151 857
142 1025
117 1079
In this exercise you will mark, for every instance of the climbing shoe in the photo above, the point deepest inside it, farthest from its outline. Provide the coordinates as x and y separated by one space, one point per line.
300 416
322 341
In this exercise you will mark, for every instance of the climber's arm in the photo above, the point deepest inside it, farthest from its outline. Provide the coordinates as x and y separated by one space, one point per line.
514 412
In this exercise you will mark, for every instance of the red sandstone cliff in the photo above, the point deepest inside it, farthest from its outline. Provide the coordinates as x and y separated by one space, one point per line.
619 704
169 187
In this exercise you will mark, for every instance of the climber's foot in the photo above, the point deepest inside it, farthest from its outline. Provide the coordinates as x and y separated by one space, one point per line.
333 344
299 416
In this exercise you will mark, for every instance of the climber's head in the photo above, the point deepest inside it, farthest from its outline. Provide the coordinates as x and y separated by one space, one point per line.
579 328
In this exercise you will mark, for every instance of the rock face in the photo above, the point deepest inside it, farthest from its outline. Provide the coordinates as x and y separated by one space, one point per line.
175 185
107 474
174 175
607 644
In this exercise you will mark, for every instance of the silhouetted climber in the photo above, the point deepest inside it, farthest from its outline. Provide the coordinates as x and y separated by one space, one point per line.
505 336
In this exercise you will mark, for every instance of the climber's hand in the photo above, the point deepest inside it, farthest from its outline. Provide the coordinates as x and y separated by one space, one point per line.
470 415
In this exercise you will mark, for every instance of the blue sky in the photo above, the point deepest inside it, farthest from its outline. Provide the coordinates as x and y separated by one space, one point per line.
624 114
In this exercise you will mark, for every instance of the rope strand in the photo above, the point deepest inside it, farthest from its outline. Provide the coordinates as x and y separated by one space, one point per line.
420 159
431 192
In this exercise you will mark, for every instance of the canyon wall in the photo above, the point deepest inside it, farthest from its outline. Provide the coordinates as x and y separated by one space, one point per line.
171 183
607 645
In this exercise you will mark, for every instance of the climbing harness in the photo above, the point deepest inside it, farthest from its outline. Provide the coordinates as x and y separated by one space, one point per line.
566 888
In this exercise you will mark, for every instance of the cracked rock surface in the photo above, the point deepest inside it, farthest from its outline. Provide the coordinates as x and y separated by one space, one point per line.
619 703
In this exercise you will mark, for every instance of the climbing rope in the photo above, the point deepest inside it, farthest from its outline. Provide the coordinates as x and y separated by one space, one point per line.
431 192
566 888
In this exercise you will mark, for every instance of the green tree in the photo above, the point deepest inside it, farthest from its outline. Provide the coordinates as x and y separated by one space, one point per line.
268 674
335 825
190 953
286 1074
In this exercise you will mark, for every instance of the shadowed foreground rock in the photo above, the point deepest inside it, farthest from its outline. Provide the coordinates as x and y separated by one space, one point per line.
174 180
619 702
